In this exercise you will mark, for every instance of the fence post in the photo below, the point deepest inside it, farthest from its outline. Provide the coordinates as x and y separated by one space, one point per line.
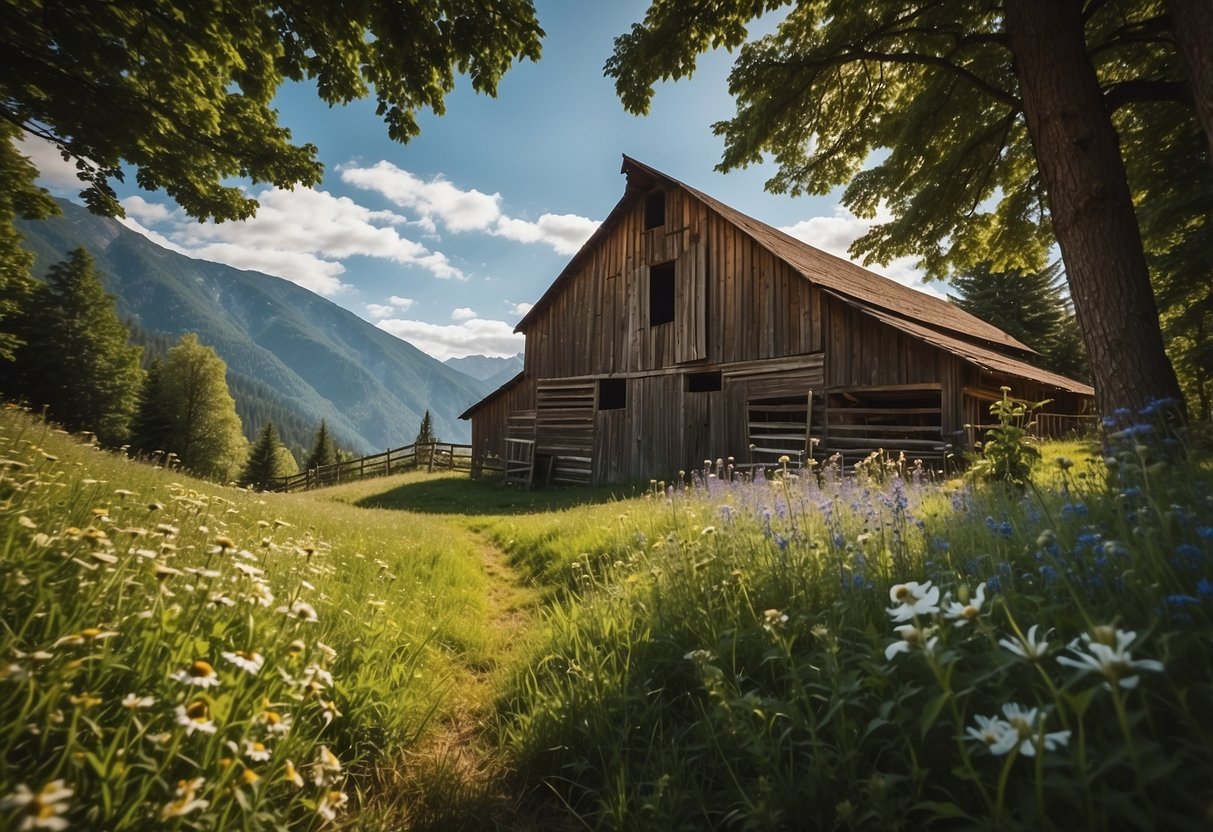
387 463
452 465
433 447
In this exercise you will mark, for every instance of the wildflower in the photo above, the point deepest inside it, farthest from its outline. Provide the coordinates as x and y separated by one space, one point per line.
990 730
276 723
133 701
223 543
332 802
88 634
250 777
255 750
1108 654
1027 648
292 775
326 768
915 599
200 674
773 619
1025 731
187 800
41 810
301 610
248 661
330 710
911 638
961 614
85 700
196 716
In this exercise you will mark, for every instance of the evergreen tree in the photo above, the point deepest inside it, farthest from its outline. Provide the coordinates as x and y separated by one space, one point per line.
323 452
425 434
77 360
151 429
204 431
1030 306
268 461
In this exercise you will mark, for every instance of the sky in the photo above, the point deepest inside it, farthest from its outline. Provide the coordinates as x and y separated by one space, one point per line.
446 241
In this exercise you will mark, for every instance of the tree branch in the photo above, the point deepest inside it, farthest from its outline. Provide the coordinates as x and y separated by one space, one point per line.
1136 91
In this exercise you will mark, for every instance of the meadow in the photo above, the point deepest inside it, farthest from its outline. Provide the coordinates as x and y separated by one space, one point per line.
870 649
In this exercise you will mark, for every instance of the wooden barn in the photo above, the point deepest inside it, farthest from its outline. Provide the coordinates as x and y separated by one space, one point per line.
684 330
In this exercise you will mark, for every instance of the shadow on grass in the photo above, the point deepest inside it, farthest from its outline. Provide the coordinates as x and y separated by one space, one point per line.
458 495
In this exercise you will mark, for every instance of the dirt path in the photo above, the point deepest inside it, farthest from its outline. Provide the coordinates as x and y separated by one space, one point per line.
454 779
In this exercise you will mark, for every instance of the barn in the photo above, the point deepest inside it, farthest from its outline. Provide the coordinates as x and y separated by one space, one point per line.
684 330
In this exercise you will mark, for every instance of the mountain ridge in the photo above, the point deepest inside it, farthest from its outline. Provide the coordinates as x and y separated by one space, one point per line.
313 355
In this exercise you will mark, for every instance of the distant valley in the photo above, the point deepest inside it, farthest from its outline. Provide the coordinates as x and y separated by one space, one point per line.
292 356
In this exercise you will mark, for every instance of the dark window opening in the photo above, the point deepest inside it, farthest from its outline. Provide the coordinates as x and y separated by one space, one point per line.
654 210
704 382
612 393
661 294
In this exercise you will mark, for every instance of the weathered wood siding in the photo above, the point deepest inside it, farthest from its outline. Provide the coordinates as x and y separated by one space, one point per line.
490 420
733 301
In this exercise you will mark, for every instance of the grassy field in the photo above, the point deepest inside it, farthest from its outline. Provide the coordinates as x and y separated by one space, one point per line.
868 651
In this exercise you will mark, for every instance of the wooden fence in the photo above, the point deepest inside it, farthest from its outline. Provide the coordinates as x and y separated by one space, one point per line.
434 456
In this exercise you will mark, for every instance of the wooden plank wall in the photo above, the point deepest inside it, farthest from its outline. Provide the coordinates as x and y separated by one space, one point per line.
489 423
733 301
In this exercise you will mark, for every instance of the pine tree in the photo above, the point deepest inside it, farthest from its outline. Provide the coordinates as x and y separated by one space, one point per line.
151 428
324 452
1030 306
205 431
269 460
425 434
77 359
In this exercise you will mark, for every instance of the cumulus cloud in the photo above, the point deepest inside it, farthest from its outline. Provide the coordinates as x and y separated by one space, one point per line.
474 336
400 303
301 235
520 309
55 172
378 310
835 233
438 201
462 314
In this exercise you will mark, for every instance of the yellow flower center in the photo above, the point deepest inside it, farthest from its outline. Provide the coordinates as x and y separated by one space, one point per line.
90 632
198 711
201 669
969 612
903 592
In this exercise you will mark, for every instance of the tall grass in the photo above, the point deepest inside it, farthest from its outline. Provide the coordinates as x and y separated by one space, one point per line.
178 654
873 652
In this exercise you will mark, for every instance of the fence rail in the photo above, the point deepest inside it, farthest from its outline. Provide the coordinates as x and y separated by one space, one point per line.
433 456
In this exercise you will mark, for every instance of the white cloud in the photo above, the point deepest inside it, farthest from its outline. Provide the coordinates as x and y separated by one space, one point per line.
301 235
834 234
55 171
520 309
472 337
378 310
463 314
439 201
400 303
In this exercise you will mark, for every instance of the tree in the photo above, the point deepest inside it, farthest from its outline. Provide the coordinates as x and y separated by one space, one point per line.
269 460
151 428
993 122
204 430
77 359
324 451
1031 307
425 434
182 91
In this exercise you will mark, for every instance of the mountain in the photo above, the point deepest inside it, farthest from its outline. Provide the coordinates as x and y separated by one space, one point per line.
289 350
494 372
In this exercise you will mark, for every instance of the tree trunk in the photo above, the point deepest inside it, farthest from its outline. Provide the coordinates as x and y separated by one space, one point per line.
1089 202
1192 25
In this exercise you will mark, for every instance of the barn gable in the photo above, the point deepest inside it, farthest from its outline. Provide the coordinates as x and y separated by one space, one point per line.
684 330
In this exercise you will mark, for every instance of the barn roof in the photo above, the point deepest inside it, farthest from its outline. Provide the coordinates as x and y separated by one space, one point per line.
832 273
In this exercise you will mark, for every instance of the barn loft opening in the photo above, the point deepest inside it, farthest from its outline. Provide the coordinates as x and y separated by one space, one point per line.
704 382
654 210
661 293
612 393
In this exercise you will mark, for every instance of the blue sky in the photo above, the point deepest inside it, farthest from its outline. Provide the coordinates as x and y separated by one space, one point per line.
445 241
